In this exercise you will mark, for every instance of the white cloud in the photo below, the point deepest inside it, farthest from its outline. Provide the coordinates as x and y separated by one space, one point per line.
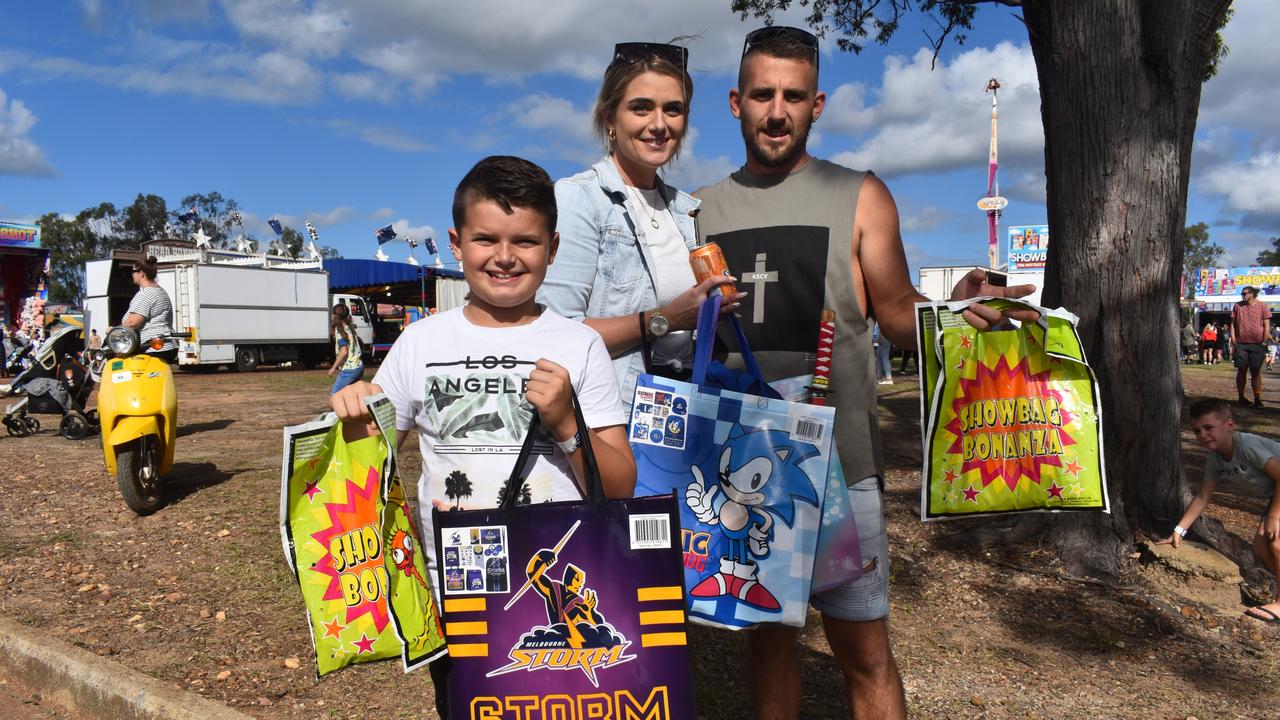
19 154
1250 188
922 120
928 219
1242 246
340 214
563 130
1244 93
378 136
320 30
91 14
382 213
691 171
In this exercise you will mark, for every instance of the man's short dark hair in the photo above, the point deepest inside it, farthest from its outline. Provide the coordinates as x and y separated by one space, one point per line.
510 182
1208 406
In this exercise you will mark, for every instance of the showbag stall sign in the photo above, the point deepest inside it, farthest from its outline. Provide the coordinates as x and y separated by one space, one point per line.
19 234
1011 418
1028 247
349 538
1224 284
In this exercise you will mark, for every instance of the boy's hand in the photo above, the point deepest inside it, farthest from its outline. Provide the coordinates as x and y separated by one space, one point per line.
550 393
1269 528
1174 539
348 403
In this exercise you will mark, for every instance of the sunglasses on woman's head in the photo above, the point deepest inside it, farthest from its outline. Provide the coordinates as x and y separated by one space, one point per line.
773 32
634 52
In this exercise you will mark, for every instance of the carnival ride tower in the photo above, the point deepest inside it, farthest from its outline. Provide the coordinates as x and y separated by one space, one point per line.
992 204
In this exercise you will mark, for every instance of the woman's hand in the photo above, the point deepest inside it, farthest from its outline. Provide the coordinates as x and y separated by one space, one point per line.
550 392
682 312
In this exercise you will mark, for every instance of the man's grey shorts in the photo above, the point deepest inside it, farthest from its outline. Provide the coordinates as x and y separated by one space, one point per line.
866 598
1250 355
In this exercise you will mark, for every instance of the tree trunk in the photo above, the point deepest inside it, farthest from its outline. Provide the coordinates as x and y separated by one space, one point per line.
1120 88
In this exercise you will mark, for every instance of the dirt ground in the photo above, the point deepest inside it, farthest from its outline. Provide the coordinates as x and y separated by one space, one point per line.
199 593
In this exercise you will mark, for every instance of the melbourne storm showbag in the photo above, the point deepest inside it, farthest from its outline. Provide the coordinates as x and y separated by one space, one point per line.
751 474
350 542
1011 418
566 609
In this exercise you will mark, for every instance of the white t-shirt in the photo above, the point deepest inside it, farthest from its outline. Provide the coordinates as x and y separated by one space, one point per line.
1243 474
461 386
672 274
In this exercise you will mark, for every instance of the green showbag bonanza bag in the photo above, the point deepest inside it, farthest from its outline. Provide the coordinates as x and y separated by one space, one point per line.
350 542
1011 418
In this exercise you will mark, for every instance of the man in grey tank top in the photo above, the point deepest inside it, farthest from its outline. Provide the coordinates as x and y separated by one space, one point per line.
784 220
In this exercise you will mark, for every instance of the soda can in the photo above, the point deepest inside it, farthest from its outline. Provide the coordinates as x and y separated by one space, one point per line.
708 261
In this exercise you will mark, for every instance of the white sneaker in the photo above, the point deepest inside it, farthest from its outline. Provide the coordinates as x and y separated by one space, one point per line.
886 381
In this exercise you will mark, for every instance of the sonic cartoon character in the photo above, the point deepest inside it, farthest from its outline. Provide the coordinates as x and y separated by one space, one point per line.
402 554
759 477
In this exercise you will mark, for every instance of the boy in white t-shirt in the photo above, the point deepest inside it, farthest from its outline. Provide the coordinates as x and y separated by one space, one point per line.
469 380
1242 463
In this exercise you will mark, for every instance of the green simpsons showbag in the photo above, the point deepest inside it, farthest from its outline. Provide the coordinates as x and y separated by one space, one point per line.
349 539
1011 418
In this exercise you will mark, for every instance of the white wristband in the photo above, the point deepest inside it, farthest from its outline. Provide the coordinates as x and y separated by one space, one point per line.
1182 532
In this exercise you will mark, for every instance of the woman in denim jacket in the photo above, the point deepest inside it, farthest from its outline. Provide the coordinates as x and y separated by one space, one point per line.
625 236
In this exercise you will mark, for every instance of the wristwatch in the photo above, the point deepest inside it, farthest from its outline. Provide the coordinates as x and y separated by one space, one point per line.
571 444
658 324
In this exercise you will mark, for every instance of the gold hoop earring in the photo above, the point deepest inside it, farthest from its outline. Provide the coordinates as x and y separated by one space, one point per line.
613 136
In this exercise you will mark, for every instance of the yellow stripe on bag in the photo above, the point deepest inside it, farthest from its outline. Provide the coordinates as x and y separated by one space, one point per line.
667 592
453 605
649 640
466 628
469 649
662 617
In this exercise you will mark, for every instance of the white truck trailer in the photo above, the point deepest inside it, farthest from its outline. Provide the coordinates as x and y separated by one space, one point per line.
242 310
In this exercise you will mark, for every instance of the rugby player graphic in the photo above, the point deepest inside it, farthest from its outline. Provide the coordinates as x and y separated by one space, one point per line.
576 636
759 477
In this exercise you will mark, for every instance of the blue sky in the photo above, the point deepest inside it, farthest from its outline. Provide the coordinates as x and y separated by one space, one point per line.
358 114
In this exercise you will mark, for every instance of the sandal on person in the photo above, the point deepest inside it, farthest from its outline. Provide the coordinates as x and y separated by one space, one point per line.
1270 616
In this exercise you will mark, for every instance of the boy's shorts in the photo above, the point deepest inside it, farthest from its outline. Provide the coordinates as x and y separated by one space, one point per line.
866 598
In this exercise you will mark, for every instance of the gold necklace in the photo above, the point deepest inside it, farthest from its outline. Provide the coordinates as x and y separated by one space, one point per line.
653 216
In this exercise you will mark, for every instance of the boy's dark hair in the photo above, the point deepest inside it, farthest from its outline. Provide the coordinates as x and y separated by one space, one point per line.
1207 406
509 181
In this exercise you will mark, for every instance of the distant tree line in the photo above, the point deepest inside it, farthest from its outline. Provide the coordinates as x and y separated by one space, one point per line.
95 231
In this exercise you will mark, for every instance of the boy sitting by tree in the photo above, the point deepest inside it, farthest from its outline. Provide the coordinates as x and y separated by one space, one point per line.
1241 463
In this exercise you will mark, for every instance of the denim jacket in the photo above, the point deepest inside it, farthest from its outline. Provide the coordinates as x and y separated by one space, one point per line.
604 267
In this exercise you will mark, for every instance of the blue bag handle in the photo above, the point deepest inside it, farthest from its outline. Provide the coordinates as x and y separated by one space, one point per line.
708 317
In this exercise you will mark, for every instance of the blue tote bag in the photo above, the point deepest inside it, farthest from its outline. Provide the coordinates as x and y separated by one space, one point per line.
750 472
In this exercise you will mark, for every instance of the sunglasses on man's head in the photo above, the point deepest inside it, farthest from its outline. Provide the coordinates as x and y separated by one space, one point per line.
634 52
773 32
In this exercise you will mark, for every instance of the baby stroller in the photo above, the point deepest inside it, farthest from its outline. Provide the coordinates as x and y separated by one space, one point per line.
56 383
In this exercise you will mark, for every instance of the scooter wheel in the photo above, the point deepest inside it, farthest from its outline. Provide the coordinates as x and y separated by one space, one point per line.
74 426
137 474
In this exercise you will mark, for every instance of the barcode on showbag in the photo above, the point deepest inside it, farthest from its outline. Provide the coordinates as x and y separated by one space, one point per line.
650 532
809 429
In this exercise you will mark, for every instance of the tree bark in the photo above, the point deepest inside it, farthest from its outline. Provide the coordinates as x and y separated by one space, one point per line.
1120 85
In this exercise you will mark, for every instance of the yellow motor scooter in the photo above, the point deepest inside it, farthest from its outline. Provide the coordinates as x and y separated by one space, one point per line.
138 409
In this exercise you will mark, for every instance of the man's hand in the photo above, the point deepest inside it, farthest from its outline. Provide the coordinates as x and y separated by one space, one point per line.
1174 539
974 284
550 392
682 312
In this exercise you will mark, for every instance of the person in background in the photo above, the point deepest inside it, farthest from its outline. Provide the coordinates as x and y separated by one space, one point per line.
1250 328
348 360
625 235
1208 344
1189 343
884 355
150 312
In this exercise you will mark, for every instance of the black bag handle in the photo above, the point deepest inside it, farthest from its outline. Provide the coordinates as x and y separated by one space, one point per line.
595 487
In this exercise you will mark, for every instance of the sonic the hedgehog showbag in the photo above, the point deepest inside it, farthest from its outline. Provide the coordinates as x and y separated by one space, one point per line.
1011 418
349 540
565 609
750 473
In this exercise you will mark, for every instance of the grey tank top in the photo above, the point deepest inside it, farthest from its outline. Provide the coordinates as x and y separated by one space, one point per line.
789 242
